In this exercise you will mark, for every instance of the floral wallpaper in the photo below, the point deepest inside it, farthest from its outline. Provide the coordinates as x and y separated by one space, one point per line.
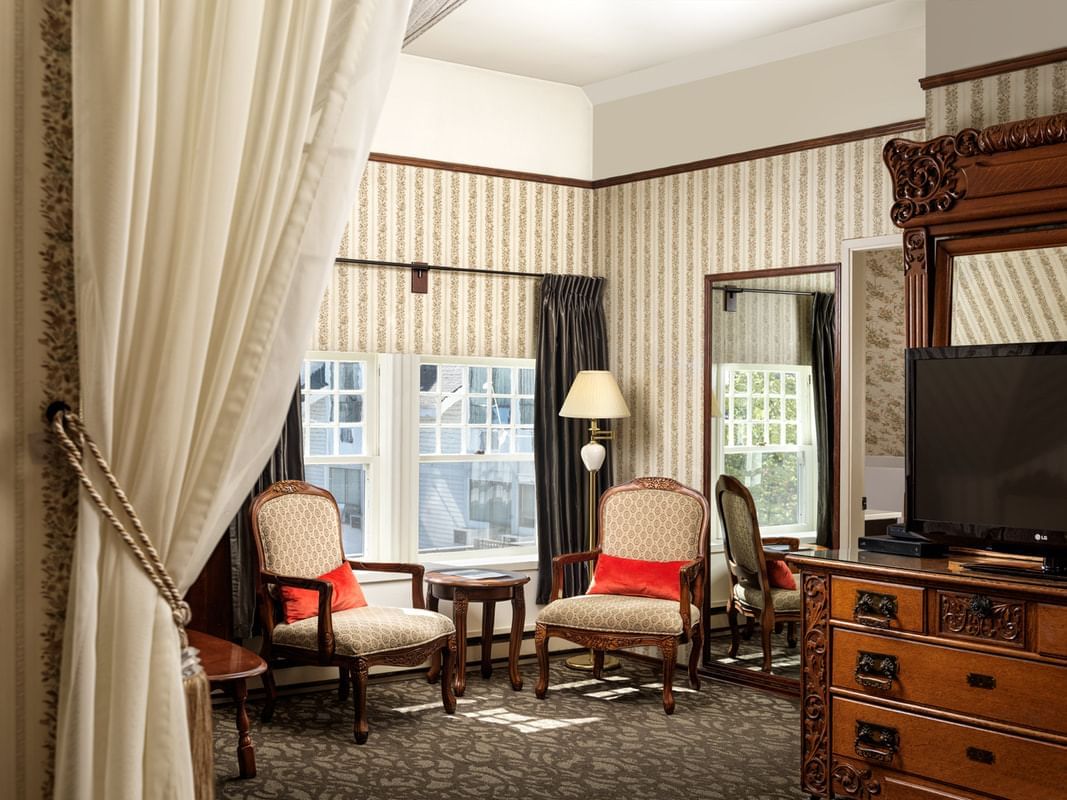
884 351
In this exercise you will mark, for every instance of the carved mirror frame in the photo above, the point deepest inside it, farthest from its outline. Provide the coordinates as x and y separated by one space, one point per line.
978 191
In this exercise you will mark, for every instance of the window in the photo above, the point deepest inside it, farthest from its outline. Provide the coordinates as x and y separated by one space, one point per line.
476 472
338 433
441 471
766 441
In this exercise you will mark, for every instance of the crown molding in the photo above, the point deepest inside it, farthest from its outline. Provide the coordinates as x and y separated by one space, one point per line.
994 68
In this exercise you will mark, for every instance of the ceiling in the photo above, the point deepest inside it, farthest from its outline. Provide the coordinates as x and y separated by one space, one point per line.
583 42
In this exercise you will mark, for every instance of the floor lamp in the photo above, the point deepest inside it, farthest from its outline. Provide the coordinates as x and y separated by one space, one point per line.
594 395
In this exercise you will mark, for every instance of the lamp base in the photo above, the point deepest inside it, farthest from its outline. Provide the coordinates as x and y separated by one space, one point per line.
584 662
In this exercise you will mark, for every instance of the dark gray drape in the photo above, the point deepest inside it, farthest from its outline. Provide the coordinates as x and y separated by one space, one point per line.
286 463
572 337
823 328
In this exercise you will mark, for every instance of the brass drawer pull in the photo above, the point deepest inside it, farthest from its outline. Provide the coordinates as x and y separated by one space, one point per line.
876 670
875 610
876 742
980 755
979 681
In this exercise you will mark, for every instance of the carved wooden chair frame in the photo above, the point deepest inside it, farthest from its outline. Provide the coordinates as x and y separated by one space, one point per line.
355 667
770 620
691 584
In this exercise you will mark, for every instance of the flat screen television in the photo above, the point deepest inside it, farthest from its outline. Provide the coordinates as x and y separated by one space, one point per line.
986 447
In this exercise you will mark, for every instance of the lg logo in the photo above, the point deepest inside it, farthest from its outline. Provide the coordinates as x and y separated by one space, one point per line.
1040 537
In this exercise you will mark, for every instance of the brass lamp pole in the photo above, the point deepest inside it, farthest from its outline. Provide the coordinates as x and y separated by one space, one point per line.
594 395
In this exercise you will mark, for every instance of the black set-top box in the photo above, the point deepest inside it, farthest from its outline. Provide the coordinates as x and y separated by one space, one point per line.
902 547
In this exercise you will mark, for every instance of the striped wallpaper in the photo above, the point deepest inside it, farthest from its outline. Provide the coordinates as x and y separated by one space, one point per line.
656 239
1009 96
406 213
1010 297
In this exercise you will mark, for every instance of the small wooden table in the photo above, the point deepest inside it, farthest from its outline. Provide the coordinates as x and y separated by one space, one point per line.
228 665
485 586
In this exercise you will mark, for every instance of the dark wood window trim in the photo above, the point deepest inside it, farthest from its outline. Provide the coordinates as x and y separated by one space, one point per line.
994 68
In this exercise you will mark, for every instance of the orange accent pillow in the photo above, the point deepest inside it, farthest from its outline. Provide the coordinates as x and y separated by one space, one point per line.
779 575
631 576
303 603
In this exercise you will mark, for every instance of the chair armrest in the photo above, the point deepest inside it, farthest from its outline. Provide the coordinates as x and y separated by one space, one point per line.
559 562
690 589
325 617
415 570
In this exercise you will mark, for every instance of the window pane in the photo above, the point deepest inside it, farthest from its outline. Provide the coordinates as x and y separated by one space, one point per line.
350 375
501 411
774 408
347 483
476 438
524 441
428 378
526 412
475 506
774 383
526 381
479 380
758 408
450 440
350 408
759 435
320 442
427 439
501 441
478 413
502 380
450 377
758 382
790 383
427 409
739 408
740 382
774 434
320 375
790 434
791 409
452 410
350 441
320 408
774 481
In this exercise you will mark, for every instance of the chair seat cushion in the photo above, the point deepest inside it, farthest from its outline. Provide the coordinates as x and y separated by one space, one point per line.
617 613
368 630
783 599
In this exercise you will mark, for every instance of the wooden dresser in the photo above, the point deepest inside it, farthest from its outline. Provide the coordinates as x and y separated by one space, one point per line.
923 681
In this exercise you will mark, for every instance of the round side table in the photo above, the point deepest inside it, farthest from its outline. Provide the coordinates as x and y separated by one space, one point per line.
485 586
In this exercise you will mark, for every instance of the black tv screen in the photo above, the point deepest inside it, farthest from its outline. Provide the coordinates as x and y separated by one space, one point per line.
987 445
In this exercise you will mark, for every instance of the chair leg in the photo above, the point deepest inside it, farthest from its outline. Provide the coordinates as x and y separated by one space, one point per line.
696 643
360 729
598 663
735 632
541 644
272 694
670 662
448 662
342 685
791 634
766 628
750 623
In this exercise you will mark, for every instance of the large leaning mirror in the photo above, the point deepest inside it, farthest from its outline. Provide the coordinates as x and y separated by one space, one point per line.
771 409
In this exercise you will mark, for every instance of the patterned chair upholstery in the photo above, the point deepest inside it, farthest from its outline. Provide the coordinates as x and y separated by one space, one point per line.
648 519
751 593
297 530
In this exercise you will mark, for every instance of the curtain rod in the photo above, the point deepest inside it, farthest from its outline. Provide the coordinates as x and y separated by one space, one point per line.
743 290
419 265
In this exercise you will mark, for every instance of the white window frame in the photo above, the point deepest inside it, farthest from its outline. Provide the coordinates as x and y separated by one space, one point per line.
391 460
370 458
805 446
465 557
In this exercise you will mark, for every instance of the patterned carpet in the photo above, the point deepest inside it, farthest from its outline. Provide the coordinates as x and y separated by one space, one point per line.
589 740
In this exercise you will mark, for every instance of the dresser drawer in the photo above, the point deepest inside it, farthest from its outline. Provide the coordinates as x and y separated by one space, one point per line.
986 685
1052 630
853 778
982 618
1003 765
889 606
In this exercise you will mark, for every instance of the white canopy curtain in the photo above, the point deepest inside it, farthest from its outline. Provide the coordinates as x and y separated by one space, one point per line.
218 147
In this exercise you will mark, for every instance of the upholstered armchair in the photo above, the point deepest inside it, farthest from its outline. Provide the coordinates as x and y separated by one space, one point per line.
297 530
645 520
751 591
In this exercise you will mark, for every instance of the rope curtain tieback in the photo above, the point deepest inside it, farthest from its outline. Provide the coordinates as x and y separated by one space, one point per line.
74 439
